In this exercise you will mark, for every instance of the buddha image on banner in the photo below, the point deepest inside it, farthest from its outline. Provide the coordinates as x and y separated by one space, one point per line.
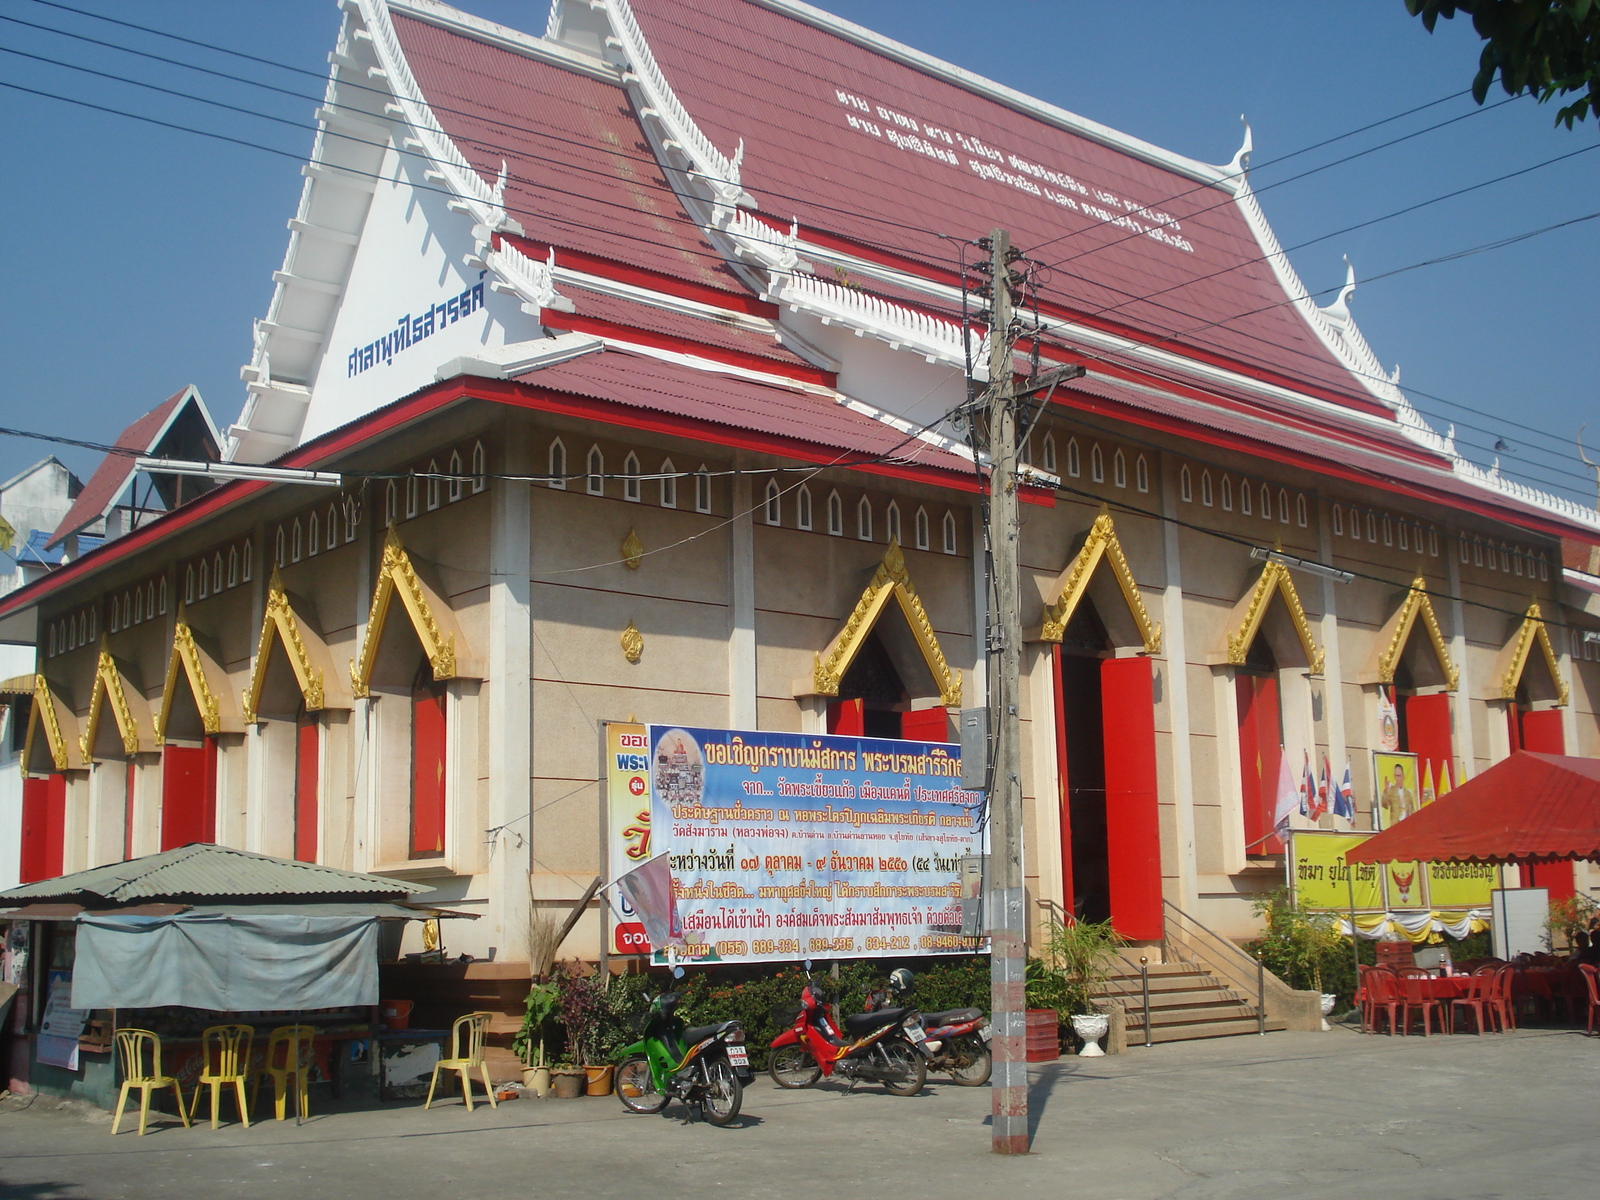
1395 780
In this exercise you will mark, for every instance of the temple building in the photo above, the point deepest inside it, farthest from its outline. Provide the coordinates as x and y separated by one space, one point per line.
629 355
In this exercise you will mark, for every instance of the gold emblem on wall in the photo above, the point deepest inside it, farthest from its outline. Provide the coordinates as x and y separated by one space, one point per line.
632 550
632 643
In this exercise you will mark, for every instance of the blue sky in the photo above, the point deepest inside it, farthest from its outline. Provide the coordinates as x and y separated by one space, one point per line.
136 257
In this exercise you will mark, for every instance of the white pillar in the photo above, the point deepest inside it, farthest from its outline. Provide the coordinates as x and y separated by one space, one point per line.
1461 710
1332 661
741 606
1175 647
510 707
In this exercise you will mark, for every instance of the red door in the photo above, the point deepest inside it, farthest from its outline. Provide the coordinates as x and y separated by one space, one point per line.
1068 883
1133 821
1260 749
44 827
188 794
427 770
925 725
307 761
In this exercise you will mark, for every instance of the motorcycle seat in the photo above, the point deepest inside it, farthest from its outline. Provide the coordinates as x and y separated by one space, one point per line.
693 1037
952 1016
859 1023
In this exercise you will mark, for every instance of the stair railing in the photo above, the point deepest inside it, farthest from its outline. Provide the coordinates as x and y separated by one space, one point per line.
1117 989
1182 935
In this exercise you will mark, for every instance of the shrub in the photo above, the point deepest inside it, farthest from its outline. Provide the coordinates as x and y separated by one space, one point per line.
751 994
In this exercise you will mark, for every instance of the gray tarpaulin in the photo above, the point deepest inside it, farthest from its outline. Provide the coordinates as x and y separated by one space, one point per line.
226 962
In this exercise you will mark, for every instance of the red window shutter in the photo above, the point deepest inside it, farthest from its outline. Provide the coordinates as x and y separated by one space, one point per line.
847 717
44 827
188 794
1260 748
427 771
1133 819
307 761
1428 732
925 725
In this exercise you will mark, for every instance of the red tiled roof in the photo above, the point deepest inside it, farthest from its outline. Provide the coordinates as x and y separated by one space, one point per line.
580 174
785 88
683 391
109 478
1330 452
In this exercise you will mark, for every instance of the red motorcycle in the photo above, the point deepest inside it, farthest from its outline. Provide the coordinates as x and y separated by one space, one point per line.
955 1041
880 1046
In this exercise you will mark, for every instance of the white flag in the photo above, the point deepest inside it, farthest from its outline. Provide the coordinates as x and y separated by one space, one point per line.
1288 797
649 890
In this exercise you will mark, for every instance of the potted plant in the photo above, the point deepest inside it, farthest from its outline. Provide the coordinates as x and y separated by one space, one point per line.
583 1012
566 1080
1298 944
543 1000
1079 955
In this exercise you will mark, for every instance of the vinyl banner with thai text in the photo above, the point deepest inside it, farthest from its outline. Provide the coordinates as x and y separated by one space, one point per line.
789 846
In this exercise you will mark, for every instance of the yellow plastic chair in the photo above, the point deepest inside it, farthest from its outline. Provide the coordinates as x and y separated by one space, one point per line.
466 1053
224 1060
291 1050
135 1047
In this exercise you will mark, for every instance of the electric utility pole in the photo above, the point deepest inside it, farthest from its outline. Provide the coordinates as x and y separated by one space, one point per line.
1007 948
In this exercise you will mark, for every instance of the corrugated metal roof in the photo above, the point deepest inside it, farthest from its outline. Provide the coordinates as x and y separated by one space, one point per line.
204 870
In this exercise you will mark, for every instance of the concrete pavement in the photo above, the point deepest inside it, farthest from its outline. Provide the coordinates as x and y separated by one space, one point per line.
1309 1115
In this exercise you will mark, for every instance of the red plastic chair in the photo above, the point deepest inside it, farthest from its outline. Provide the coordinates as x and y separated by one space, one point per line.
1591 979
1383 995
1416 1001
1477 1001
1505 1009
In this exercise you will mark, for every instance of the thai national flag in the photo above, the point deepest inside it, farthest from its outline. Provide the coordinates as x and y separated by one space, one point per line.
1320 804
1344 800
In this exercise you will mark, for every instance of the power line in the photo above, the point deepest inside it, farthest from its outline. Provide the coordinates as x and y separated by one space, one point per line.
698 231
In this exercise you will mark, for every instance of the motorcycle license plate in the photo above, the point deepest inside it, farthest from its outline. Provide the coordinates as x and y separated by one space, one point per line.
915 1033
738 1057
986 1033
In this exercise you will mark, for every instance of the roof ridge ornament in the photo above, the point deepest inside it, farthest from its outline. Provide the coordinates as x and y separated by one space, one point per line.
1338 312
1240 163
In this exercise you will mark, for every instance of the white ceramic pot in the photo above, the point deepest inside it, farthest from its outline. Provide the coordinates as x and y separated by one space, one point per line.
1090 1028
1329 999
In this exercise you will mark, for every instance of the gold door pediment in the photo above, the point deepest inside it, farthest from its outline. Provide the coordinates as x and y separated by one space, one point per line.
203 676
1251 610
307 653
1514 658
890 582
1101 545
1392 638
429 613
114 690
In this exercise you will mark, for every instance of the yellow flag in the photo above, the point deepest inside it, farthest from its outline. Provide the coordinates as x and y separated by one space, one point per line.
7 535
1442 784
1427 784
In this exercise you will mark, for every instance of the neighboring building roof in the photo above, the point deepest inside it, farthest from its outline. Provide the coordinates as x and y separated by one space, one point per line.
204 871
47 460
37 550
144 436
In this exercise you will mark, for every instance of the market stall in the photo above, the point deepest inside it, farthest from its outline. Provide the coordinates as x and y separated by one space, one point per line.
194 936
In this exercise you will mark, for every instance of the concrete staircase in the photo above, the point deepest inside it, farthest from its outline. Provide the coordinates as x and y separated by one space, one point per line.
1186 1002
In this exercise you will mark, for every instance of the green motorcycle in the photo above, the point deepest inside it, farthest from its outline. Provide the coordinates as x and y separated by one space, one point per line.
704 1066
